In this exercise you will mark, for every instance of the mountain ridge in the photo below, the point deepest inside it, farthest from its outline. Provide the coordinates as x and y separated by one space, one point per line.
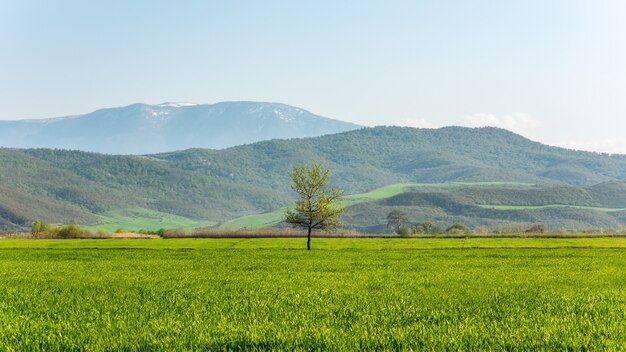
146 129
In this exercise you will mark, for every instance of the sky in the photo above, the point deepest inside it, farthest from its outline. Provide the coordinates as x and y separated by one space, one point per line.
551 70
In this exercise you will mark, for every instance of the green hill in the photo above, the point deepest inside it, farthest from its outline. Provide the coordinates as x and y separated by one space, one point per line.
216 186
493 207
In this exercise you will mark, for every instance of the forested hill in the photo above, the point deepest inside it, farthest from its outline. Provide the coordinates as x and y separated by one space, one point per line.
72 186
372 157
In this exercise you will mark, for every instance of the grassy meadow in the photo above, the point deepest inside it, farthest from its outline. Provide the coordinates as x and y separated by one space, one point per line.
346 294
134 219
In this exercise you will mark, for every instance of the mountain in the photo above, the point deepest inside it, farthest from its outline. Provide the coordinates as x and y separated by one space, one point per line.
145 129
214 186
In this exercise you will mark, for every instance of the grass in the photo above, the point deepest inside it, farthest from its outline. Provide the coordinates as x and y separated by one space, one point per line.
268 294
530 207
275 217
256 220
375 244
139 218
398 188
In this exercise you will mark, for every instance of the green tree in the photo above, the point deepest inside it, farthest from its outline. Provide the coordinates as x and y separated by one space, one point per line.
318 206
37 227
40 227
457 228
426 227
537 228
396 219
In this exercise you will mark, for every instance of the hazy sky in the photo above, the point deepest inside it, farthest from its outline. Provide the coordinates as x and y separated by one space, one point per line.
554 71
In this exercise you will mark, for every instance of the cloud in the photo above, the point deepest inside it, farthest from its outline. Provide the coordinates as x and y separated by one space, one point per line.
605 145
519 122
417 122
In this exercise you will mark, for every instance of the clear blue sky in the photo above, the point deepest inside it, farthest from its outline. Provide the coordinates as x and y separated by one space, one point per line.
554 71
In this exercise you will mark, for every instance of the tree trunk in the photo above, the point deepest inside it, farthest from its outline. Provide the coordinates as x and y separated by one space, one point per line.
308 240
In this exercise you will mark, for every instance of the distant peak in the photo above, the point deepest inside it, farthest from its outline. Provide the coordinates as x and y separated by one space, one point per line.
176 104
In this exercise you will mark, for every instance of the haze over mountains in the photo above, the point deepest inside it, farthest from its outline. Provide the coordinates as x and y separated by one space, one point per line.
146 129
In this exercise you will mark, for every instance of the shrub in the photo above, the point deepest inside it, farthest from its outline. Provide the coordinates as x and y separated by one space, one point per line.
43 228
403 231
427 227
537 228
160 232
436 230
457 228
71 231
38 227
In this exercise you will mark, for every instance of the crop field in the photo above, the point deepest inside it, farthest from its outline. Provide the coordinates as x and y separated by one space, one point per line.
346 294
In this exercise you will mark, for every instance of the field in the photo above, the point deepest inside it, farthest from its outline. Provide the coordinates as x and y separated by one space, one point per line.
274 217
135 219
346 294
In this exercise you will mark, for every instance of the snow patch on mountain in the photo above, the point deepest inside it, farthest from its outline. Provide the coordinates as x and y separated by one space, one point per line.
176 104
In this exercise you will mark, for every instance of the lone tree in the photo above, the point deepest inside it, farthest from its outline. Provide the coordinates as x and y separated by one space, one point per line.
396 219
317 208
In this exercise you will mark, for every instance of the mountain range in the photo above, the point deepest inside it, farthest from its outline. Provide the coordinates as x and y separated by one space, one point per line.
146 129
486 177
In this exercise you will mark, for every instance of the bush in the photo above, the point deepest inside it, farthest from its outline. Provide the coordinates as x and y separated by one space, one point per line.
403 231
71 231
427 227
537 228
160 232
39 227
436 230
457 228
43 228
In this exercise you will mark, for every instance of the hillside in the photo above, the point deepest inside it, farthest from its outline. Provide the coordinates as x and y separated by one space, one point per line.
493 207
144 129
373 157
484 206
214 186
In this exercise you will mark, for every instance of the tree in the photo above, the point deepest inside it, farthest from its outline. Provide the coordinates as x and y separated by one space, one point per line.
317 207
537 228
426 227
457 228
396 219
40 227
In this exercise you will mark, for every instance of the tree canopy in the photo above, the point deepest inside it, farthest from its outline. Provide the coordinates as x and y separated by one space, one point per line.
317 206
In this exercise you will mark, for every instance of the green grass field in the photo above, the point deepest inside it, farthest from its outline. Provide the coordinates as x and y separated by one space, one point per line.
397 188
139 218
346 294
